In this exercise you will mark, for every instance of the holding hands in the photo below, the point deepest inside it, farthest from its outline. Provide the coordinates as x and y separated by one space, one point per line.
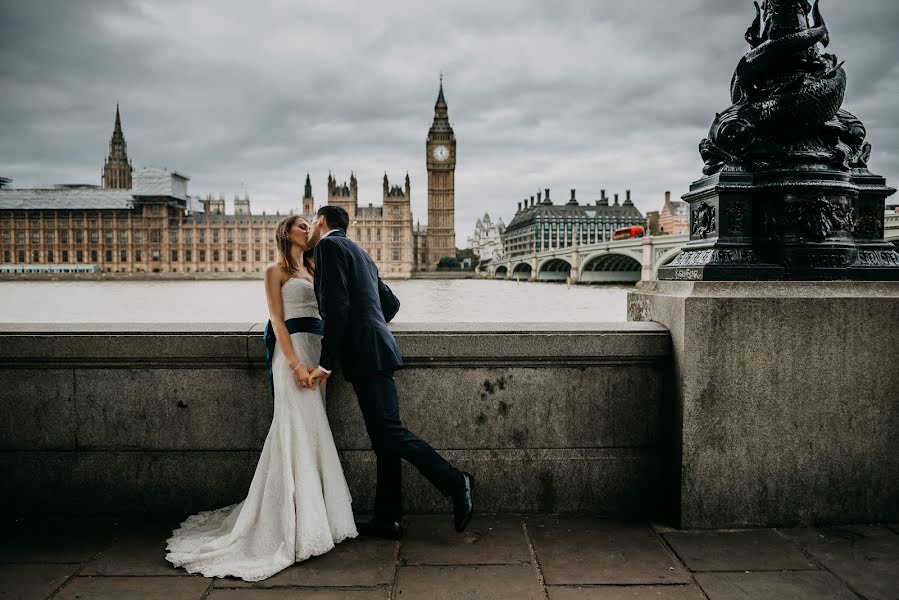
301 375
320 375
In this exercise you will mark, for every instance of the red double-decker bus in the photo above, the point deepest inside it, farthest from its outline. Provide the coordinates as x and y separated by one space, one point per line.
626 233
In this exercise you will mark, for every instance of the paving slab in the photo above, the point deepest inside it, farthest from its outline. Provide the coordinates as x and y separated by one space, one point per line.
134 588
54 541
626 592
592 550
431 540
27 582
138 549
299 593
751 550
356 562
767 585
864 556
493 582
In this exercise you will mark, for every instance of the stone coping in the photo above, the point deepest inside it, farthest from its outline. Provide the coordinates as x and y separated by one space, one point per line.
32 344
771 289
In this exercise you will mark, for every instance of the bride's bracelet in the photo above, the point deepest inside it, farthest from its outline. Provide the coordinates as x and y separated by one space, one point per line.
296 367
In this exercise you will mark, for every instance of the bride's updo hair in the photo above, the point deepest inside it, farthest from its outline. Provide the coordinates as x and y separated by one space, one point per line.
282 241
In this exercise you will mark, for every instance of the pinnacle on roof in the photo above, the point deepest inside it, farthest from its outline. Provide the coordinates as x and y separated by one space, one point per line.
118 119
441 101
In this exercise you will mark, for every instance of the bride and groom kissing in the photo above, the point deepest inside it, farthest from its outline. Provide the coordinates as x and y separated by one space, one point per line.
328 307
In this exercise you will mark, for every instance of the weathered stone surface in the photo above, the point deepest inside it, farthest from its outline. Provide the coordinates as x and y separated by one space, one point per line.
753 550
497 582
552 417
626 592
169 482
139 549
122 342
591 550
356 562
134 588
49 540
488 540
117 482
172 409
795 585
597 481
866 557
37 409
786 394
484 408
427 342
33 581
291 594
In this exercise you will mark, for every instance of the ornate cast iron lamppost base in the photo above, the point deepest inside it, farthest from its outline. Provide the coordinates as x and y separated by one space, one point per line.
788 194
721 242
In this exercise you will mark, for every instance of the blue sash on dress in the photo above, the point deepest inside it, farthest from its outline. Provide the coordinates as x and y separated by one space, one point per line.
295 325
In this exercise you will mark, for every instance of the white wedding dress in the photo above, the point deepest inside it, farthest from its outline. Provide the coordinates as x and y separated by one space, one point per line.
298 504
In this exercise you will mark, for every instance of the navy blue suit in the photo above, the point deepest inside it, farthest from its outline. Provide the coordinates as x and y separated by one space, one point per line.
355 306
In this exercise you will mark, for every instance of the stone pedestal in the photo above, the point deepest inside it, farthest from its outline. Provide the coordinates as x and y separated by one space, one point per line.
784 400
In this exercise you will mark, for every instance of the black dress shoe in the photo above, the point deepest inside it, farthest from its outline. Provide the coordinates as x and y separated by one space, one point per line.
389 530
463 503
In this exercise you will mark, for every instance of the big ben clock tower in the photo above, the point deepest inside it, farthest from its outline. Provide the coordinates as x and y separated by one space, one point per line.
441 162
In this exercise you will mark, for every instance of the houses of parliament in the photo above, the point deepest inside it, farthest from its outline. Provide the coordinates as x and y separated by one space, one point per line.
143 220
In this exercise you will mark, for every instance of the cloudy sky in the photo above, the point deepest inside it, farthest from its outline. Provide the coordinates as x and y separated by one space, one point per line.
250 96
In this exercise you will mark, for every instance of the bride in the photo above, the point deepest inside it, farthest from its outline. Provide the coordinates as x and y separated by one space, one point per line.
298 504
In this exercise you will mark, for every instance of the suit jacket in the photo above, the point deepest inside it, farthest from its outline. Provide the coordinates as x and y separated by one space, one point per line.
355 306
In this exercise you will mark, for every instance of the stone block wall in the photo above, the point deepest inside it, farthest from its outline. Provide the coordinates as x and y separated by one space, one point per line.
122 419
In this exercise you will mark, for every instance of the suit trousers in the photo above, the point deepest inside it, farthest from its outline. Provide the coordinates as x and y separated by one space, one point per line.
391 442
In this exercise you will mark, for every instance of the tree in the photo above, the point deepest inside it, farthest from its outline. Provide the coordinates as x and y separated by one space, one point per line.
448 263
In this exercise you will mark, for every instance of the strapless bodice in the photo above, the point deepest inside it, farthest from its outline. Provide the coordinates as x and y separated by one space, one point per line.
298 296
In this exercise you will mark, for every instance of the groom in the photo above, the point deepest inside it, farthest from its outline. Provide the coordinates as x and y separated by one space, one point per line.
355 306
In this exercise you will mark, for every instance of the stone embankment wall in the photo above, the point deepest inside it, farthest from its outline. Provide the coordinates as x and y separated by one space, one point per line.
119 419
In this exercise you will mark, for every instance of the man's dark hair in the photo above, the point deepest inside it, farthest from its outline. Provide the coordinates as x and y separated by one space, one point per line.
335 217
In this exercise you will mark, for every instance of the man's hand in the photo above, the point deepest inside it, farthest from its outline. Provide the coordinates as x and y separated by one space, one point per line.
320 375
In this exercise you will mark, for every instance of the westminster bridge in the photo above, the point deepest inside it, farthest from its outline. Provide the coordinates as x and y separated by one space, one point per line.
620 261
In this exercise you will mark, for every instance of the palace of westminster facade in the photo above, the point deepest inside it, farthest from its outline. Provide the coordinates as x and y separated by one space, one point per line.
143 220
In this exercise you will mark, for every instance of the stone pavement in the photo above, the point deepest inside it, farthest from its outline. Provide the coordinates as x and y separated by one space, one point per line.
504 557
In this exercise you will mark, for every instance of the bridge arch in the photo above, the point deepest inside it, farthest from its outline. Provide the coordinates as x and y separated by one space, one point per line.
611 267
522 271
501 272
554 269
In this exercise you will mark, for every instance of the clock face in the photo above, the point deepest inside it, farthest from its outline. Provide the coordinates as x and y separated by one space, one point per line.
441 153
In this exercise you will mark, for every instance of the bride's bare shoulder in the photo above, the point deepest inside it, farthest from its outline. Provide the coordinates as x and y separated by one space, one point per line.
275 271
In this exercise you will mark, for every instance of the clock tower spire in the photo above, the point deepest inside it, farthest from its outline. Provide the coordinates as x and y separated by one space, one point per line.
440 158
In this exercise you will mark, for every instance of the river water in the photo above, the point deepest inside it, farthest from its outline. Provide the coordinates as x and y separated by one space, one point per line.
457 300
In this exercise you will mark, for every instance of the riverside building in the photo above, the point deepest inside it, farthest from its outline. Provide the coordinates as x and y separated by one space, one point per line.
674 218
486 240
540 225
143 220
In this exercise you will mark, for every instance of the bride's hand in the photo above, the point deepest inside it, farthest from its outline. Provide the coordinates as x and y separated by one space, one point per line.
301 375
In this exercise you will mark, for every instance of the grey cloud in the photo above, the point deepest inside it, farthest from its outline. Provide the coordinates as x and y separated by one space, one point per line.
570 94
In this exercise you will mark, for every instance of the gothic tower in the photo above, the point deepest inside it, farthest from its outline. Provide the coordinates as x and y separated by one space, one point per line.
308 200
345 196
441 163
117 168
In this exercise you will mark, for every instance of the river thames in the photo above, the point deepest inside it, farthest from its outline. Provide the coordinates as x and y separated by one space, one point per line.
443 301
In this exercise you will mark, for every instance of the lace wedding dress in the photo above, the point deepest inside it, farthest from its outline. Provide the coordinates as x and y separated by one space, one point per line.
298 504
